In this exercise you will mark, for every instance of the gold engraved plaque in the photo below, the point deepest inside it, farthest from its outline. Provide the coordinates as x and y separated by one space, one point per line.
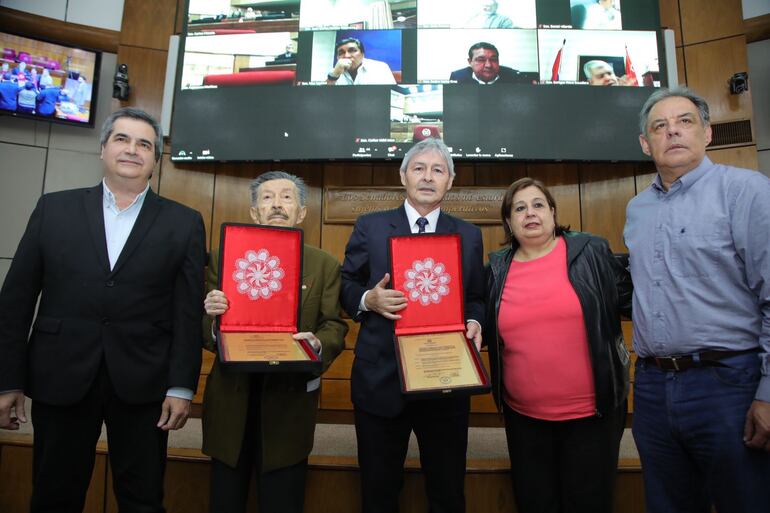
437 361
262 347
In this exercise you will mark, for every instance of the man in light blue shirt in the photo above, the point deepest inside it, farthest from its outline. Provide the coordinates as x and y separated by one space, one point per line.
118 271
699 242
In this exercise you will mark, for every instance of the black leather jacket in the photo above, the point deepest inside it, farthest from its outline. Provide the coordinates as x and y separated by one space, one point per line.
604 289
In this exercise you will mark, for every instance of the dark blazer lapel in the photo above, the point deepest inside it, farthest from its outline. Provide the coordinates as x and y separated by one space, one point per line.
150 210
399 223
445 223
307 278
94 207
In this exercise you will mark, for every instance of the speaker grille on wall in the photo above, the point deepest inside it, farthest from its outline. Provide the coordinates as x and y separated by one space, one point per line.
730 132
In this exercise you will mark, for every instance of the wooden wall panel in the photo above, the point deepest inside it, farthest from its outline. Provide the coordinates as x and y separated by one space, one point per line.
191 185
146 75
604 193
232 197
681 66
669 18
706 21
148 24
563 182
334 237
742 156
492 174
335 394
75 34
16 479
709 66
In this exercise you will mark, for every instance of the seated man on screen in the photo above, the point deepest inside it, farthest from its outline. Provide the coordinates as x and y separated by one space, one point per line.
484 68
352 68
488 18
267 421
601 73
288 57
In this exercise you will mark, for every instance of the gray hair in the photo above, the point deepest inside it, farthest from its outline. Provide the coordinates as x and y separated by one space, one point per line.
298 182
674 92
589 66
429 144
132 113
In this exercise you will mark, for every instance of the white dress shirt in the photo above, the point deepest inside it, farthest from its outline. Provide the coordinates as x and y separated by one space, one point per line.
117 227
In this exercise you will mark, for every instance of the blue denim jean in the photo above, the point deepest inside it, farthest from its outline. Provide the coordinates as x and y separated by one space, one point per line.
688 427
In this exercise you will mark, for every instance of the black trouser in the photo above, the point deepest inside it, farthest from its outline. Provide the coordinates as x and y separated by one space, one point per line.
564 466
65 444
278 491
441 428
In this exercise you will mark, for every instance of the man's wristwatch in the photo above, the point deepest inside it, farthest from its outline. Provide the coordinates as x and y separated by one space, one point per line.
332 77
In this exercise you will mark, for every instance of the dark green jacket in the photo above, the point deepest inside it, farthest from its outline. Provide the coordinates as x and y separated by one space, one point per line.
288 410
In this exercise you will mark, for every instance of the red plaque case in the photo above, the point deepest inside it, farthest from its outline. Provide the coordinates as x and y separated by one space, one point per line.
260 272
434 357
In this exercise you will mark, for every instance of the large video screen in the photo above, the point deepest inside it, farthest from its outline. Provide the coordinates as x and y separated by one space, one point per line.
365 79
43 80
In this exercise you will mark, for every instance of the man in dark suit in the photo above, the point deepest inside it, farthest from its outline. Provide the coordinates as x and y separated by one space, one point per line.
267 421
384 418
484 68
119 273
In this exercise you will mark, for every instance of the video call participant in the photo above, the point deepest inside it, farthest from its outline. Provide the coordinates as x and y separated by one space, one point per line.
267 421
353 68
118 271
602 15
699 259
484 68
488 18
602 73
384 418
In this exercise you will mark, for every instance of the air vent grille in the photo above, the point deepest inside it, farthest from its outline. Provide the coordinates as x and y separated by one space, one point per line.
730 132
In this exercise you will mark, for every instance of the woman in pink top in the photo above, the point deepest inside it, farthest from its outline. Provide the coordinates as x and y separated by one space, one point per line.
559 363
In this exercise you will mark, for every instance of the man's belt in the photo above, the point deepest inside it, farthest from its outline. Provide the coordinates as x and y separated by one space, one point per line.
690 361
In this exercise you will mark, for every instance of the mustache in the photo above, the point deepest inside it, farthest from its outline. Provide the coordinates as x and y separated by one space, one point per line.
278 212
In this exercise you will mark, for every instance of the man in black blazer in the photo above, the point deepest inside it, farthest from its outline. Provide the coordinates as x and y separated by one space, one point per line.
484 68
384 418
119 274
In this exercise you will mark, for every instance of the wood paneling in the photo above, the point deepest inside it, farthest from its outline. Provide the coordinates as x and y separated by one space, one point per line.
190 185
335 394
16 479
709 67
48 28
148 24
757 29
232 196
742 156
563 183
669 18
706 21
604 193
340 368
681 66
147 74
490 174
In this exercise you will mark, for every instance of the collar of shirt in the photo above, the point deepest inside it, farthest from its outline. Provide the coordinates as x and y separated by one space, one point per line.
685 181
477 79
412 215
111 205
